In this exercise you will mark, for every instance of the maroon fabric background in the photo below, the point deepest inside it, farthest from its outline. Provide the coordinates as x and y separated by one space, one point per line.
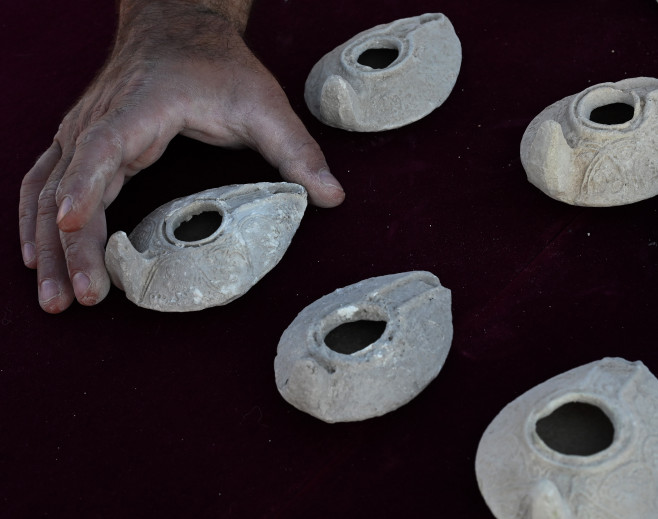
117 411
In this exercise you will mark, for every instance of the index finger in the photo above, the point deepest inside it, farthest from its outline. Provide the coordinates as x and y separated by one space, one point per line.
97 158
280 136
120 143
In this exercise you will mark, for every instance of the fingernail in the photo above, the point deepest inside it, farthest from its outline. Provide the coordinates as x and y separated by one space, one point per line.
328 179
64 208
48 290
81 284
29 252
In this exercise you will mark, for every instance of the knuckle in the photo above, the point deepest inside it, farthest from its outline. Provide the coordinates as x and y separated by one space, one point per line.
31 183
73 252
95 114
68 128
303 146
68 121
82 251
47 200
47 260
101 133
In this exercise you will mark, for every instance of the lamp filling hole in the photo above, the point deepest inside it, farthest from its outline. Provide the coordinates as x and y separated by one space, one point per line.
378 58
577 429
198 227
614 113
354 336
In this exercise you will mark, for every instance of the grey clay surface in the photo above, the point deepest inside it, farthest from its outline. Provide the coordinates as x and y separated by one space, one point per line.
576 153
159 270
345 93
337 385
535 461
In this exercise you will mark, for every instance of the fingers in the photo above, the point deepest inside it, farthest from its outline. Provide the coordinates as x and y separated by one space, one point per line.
118 145
97 159
63 197
71 265
301 161
98 156
31 187
105 140
55 291
84 252
281 137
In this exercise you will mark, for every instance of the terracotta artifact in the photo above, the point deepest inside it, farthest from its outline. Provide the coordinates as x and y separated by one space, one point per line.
365 349
206 249
582 445
598 147
387 76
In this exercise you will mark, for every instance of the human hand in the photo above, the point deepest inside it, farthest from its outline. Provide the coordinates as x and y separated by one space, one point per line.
175 69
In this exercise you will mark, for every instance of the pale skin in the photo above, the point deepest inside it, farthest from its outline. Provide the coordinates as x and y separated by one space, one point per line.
177 67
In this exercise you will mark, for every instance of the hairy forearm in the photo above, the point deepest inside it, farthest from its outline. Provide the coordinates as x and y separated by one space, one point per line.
235 12
186 26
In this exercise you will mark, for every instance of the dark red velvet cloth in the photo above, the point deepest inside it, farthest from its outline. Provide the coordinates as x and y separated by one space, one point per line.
117 411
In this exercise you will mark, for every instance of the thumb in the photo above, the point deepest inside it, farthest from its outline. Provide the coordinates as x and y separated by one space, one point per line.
281 137
303 162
